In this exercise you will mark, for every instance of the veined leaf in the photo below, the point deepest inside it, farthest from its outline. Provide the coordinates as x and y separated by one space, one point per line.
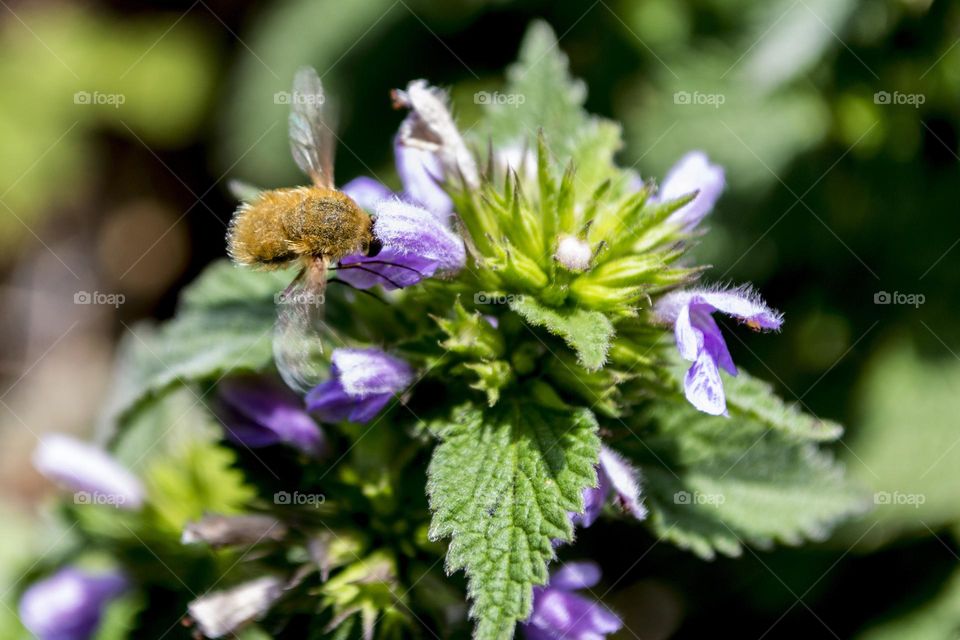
587 332
501 483
224 324
718 483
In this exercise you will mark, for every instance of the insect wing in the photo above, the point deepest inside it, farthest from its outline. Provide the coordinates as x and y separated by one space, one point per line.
311 128
297 343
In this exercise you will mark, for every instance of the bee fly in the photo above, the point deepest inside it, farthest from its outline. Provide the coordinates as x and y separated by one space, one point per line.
315 226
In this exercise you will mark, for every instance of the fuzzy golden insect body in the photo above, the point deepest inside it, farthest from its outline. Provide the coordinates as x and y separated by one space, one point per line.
282 225
315 225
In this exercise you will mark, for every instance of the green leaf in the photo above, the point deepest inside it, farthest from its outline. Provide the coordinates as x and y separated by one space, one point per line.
120 617
906 445
587 332
937 619
716 483
224 324
501 483
551 98
755 400
546 97
174 444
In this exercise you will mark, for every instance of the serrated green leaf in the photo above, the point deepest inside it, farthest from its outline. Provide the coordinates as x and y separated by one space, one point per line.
587 332
551 98
755 399
225 323
545 97
501 483
717 483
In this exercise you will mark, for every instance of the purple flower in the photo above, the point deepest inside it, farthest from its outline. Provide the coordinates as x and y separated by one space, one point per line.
420 173
561 614
414 226
416 245
362 382
692 173
614 476
82 467
699 339
257 413
69 604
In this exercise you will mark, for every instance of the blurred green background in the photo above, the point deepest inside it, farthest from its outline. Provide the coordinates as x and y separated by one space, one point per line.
838 122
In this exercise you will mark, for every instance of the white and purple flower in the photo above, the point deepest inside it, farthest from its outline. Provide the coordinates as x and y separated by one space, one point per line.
561 614
692 173
416 245
69 604
700 341
362 382
257 413
415 226
616 478
82 467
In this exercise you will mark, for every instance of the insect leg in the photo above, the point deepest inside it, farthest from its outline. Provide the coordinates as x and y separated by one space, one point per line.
357 265
363 291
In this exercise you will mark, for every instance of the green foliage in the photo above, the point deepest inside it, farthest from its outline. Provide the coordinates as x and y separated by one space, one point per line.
119 620
174 444
224 325
937 618
552 100
587 332
501 483
915 478
716 483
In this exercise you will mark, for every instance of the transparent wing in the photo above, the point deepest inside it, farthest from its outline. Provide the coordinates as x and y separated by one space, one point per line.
311 128
297 342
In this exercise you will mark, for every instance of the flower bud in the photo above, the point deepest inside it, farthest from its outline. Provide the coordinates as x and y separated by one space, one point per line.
573 253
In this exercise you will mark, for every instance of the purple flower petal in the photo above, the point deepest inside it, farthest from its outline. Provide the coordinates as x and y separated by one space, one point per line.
69 604
700 341
622 479
560 613
703 387
692 173
575 575
420 173
416 245
593 500
362 383
614 476
257 413
370 371
79 466
367 192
